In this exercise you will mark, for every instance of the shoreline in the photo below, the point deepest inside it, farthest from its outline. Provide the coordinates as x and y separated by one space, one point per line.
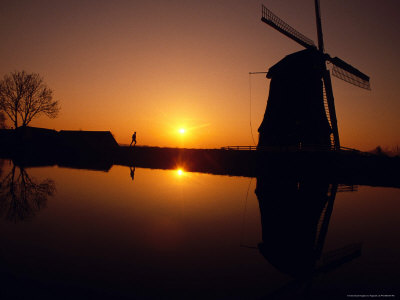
98 150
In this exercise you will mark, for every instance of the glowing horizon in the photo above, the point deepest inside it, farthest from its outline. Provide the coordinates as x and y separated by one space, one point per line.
157 67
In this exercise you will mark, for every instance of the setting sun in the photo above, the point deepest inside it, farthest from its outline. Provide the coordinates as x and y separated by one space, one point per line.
174 148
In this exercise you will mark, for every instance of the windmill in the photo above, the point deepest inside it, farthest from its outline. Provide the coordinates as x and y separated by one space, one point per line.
301 108
295 215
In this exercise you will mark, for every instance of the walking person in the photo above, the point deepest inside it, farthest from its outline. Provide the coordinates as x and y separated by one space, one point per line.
133 139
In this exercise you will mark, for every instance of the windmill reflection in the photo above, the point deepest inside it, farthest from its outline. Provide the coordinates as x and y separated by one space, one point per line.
22 196
295 216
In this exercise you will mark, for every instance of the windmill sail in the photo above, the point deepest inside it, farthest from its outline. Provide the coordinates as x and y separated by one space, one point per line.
274 21
331 113
348 73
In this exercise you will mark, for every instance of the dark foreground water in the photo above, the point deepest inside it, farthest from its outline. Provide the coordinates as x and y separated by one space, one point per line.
72 234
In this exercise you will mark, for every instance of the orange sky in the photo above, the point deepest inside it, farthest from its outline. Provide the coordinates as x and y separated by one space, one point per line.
156 66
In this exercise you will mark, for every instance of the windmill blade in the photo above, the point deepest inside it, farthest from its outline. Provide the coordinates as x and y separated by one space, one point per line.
334 259
319 26
331 108
274 21
348 73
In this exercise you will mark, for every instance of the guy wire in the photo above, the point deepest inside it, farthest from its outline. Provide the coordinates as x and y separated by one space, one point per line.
251 126
242 229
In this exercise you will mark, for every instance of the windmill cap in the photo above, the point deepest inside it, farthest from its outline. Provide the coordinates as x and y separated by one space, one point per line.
301 62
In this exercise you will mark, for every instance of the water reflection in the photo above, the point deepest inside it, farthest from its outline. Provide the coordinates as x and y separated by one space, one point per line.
177 234
22 196
132 172
295 216
180 172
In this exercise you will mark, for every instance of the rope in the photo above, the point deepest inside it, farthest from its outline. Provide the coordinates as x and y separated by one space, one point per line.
244 217
251 126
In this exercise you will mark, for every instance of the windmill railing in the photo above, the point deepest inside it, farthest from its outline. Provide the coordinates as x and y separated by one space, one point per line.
248 148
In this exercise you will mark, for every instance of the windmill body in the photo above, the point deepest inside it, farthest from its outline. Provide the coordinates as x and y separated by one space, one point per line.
301 110
295 115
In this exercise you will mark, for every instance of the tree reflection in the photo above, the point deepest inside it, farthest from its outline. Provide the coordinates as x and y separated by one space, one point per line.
22 196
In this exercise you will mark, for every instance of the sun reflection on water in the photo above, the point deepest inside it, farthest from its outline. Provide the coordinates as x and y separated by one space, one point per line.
180 172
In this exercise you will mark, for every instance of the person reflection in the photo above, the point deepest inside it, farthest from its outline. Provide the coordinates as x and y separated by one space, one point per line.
295 216
132 169
22 196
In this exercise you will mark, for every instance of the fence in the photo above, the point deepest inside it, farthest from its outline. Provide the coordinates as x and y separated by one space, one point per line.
287 148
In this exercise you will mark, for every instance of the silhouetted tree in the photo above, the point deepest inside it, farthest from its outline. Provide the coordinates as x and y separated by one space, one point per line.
396 150
2 120
22 196
379 151
1 167
26 96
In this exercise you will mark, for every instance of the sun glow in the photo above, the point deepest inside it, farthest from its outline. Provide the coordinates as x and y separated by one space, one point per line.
180 172
182 130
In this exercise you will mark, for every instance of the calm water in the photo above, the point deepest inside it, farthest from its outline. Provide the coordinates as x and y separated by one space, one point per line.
69 233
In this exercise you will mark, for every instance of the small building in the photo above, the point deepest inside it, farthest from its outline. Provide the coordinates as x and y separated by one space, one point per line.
87 141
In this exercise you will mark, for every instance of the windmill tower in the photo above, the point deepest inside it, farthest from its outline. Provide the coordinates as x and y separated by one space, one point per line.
301 108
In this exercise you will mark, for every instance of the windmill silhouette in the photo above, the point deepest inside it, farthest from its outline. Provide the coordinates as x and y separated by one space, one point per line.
301 108
295 216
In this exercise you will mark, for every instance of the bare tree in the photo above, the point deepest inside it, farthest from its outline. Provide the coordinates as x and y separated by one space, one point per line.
2 120
25 96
